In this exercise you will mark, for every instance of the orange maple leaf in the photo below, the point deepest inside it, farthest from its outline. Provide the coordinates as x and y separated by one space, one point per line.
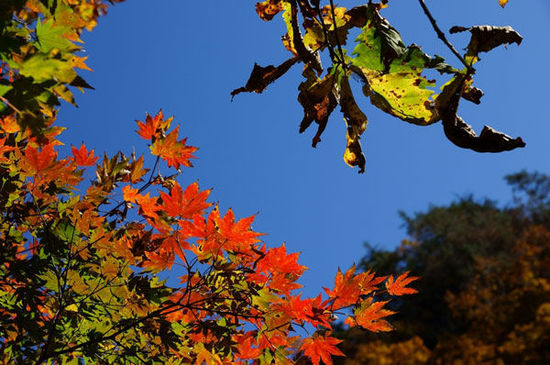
153 126
321 347
276 260
176 244
4 149
173 152
349 287
185 204
346 291
82 157
130 194
397 286
245 349
40 160
238 235
9 124
159 261
309 310
369 316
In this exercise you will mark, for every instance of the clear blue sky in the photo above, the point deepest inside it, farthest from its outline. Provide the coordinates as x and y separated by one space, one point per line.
186 56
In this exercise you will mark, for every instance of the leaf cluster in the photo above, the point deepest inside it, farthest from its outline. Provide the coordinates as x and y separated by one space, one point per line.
391 74
39 56
84 265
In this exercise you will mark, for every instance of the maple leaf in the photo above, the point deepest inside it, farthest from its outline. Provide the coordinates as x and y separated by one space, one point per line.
176 244
147 205
503 2
40 160
130 194
369 316
346 291
158 261
309 310
276 260
238 235
368 282
153 126
397 286
173 152
82 157
204 356
185 204
245 349
4 149
9 124
321 347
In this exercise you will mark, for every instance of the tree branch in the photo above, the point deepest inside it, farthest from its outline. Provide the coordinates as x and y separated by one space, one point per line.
342 60
441 36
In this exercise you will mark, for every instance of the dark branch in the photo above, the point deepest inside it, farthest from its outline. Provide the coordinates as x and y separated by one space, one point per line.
336 35
441 36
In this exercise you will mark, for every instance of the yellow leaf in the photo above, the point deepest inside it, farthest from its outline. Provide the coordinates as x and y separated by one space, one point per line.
72 308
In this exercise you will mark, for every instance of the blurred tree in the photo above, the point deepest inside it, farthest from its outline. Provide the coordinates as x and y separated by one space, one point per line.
485 283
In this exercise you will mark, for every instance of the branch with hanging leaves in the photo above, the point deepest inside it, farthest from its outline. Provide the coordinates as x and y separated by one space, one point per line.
391 74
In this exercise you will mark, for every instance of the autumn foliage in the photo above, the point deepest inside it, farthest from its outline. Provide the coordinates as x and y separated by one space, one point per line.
84 265
80 269
391 75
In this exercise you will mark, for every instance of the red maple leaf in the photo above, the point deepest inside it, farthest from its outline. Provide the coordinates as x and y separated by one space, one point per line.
40 160
321 347
153 126
238 235
398 286
346 291
244 346
158 261
276 260
175 153
130 194
82 157
185 204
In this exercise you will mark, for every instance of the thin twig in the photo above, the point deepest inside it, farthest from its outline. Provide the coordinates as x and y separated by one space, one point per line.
10 104
342 59
441 36
325 32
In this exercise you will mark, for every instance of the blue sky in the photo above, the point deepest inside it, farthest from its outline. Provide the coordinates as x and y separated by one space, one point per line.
186 56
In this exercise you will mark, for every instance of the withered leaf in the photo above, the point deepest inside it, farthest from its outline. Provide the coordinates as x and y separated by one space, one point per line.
261 77
461 133
268 9
318 99
356 122
486 37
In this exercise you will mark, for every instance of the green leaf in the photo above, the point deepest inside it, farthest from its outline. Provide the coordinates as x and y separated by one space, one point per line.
4 89
42 68
394 73
51 36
